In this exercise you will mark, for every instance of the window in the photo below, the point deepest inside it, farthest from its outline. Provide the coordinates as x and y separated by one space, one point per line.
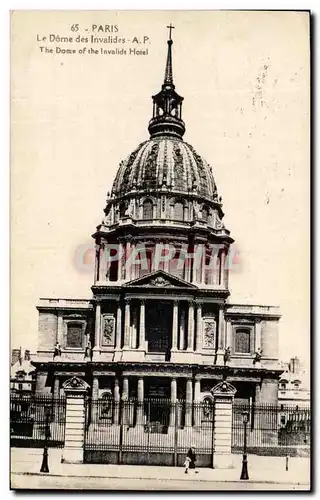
178 210
205 213
242 340
74 335
147 210
122 209
283 386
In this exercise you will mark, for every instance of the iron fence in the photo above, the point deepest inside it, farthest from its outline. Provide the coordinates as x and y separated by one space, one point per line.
271 426
152 431
29 417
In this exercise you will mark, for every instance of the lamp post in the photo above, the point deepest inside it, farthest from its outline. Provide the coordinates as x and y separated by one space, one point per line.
44 465
244 471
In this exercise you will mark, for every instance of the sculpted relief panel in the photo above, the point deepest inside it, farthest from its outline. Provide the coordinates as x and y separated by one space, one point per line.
108 327
209 333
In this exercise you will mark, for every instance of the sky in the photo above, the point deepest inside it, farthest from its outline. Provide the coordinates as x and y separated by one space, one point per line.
74 117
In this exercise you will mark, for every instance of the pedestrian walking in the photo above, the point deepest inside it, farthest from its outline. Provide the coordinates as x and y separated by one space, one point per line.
190 461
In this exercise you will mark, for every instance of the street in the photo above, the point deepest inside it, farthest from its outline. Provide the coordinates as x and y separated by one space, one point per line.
119 484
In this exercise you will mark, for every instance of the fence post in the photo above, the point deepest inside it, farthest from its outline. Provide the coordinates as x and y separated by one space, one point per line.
223 394
75 390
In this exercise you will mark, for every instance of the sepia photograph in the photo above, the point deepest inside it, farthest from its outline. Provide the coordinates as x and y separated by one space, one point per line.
160 250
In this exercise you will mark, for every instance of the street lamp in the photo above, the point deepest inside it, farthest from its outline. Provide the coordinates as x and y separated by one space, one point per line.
44 465
244 471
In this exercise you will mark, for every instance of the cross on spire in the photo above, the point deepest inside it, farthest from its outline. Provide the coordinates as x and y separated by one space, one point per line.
170 27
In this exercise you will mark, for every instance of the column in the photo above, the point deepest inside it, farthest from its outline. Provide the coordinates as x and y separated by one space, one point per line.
173 401
182 330
119 327
195 264
134 328
75 390
94 400
142 339
199 328
127 325
116 396
220 352
120 262
140 413
125 402
97 328
197 406
228 334
60 330
56 396
166 262
175 326
203 263
127 268
257 394
106 263
258 336
190 326
223 395
222 266
132 269
188 419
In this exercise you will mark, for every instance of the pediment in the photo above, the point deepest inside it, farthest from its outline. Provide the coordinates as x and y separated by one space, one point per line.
160 279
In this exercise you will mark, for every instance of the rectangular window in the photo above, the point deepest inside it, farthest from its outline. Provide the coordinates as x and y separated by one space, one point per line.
242 340
74 335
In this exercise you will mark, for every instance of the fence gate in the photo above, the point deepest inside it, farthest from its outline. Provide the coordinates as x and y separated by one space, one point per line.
155 432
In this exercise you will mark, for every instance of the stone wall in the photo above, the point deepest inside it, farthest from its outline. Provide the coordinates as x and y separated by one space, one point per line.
270 338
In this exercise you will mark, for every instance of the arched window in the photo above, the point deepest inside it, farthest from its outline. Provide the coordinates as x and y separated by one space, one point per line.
178 211
147 210
205 212
122 209
74 335
106 406
242 340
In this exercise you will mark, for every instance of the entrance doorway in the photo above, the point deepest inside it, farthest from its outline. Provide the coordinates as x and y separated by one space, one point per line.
159 326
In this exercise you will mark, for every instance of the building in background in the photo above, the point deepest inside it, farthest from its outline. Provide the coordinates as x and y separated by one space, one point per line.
159 323
294 385
22 373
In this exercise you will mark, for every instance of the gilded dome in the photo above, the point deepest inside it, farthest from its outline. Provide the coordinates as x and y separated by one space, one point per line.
165 162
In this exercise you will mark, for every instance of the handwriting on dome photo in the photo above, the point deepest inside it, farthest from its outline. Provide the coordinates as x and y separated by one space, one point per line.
160 250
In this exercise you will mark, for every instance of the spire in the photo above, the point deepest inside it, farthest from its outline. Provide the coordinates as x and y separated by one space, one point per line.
168 78
167 104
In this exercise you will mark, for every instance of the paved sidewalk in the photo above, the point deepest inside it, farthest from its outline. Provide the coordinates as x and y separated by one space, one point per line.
265 470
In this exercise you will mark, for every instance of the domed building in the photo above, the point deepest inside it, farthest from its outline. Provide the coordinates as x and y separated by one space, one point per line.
160 324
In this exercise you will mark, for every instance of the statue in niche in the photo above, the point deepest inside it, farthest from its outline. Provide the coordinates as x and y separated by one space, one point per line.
207 409
88 350
197 213
227 355
209 333
130 209
257 356
57 350
108 329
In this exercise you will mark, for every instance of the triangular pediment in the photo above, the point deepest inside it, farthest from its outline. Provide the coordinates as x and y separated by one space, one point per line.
160 279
